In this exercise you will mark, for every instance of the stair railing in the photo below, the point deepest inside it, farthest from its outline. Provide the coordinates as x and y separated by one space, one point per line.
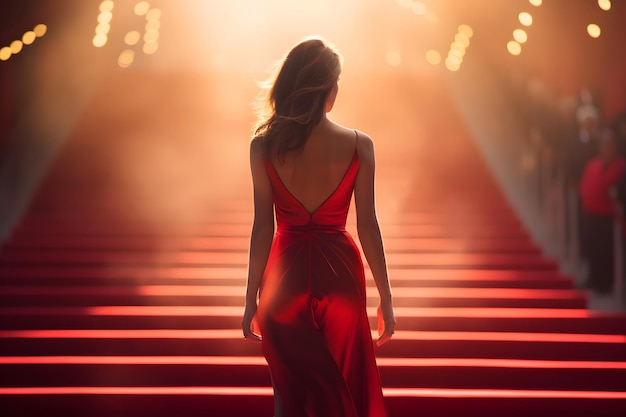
572 216
618 245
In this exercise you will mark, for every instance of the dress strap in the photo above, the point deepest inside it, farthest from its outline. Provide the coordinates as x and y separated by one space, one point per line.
356 143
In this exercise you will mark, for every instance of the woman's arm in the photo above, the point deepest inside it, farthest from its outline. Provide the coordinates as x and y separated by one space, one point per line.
261 237
369 234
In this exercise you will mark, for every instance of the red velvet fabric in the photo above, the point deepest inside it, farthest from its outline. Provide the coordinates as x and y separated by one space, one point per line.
316 335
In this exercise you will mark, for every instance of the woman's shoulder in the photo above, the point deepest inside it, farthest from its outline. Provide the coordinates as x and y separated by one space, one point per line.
363 139
258 147
364 143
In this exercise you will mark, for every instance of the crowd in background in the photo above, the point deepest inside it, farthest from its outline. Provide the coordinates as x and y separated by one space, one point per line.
584 150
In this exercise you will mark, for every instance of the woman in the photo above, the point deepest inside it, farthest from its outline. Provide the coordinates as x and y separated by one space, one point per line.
309 277
598 192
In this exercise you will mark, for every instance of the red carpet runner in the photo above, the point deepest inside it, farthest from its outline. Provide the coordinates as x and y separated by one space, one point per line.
105 312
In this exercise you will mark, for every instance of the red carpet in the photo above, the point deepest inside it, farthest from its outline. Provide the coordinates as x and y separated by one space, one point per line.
112 307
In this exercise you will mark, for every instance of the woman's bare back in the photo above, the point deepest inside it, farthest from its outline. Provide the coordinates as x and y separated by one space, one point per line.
313 173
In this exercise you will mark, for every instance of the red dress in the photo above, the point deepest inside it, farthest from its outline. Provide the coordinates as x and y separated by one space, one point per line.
311 314
595 183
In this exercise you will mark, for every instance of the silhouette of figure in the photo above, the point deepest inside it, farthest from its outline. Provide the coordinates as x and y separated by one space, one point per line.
599 195
308 275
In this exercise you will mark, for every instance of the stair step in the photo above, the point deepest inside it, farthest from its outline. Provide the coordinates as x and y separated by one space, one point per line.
555 283
87 273
202 258
409 318
243 230
78 217
235 296
199 300
252 371
223 243
138 317
257 401
235 291
225 342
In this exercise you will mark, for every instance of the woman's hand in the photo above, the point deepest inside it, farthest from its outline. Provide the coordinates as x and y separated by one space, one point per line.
386 321
246 322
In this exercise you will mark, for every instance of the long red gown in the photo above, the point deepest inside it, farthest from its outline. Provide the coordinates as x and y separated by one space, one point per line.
311 314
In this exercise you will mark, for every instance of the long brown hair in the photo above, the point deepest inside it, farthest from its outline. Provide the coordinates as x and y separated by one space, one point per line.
297 98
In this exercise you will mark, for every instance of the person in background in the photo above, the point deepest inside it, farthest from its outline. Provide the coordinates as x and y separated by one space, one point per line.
579 146
598 192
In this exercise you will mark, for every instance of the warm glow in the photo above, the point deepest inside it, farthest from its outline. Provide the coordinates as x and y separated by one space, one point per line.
520 35
224 334
394 58
5 53
433 57
104 24
462 39
435 274
150 36
260 361
220 391
536 3
525 19
457 49
128 291
461 362
40 30
235 311
99 40
456 56
594 30
105 17
125 390
106 6
29 37
103 28
237 291
150 48
153 25
142 8
498 393
604 4
457 52
132 37
16 47
503 336
153 14
454 60
126 58
466 30
452 64
419 8
514 48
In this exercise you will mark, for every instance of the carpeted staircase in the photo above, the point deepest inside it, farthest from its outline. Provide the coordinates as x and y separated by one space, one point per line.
105 311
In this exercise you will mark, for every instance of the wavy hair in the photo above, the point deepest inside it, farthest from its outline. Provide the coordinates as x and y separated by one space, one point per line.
297 95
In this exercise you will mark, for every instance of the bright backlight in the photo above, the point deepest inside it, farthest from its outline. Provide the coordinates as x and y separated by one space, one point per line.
514 48
520 35
594 30
605 4
525 18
